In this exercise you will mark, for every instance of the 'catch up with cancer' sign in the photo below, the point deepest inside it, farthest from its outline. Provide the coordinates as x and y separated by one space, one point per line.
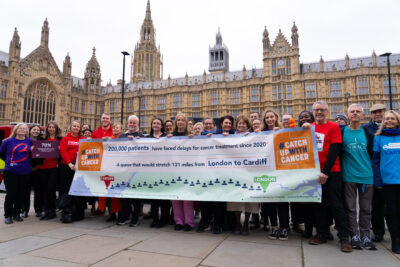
272 166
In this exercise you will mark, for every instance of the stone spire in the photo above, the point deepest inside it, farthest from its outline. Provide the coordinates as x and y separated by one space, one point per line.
295 36
266 42
92 74
347 60
67 66
147 30
44 40
321 64
218 55
146 60
374 59
15 48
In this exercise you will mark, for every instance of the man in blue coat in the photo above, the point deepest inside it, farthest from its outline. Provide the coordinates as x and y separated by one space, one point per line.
377 214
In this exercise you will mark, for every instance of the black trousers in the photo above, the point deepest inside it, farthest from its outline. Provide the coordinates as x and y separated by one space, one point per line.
130 206
378 212
164 206
66 176
297 212
281 210
212 210
47 187
15 189
32 183
392 210
332 199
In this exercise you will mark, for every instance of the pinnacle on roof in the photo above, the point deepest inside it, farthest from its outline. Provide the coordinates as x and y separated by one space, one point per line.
294 28
148 11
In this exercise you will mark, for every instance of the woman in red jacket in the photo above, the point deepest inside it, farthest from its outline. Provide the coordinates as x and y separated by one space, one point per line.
69 149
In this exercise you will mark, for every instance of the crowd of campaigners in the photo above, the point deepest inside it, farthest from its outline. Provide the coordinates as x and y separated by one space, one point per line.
360 178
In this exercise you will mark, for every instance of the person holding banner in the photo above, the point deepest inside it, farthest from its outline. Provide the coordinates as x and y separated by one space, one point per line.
197 128
183 209
69 147
16 152
386 169
127 203
48 173
306 209
329 142
210 209
105 130
168 127
242 128
278 210
157 131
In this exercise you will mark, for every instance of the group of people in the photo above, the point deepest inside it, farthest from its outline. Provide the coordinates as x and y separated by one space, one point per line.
358 169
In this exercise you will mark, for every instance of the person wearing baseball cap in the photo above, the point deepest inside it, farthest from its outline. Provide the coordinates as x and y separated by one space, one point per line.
378 202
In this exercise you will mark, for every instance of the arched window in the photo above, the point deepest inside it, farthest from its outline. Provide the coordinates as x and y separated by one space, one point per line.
39 103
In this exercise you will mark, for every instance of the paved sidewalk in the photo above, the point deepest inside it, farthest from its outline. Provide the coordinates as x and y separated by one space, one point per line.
94 242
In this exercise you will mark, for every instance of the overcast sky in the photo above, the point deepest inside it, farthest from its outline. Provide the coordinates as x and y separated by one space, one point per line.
186 29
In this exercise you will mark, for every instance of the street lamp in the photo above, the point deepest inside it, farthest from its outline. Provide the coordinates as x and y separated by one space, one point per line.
347 95
124 53
390 80
139 94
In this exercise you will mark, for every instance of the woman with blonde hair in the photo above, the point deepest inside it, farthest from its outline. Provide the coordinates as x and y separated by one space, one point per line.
183 209
16 152
271 120
33 180
243 125
386 156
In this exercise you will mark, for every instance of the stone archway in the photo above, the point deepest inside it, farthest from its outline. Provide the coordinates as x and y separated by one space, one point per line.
39 103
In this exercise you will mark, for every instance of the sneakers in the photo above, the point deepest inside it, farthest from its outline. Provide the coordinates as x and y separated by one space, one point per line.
133 223
274 234
345 245
283 235
356 242
367 243
122 221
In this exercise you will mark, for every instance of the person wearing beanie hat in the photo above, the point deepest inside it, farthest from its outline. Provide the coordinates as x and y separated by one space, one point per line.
341 119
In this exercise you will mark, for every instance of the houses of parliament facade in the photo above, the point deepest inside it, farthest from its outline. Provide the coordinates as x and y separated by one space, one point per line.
34 89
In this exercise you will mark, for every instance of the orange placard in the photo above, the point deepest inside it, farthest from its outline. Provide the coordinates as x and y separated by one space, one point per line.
294 150
90 156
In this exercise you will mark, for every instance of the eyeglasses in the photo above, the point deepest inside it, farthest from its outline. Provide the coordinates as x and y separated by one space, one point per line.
320 110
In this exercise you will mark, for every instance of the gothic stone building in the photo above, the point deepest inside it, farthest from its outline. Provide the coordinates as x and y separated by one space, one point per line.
33 89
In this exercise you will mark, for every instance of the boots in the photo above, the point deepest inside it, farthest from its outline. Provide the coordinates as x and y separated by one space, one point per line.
396 245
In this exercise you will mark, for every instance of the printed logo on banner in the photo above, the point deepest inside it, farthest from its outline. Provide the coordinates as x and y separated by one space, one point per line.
107 180
265 180
294 150
90 156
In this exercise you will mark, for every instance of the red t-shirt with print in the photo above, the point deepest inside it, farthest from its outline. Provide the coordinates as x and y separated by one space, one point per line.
327 134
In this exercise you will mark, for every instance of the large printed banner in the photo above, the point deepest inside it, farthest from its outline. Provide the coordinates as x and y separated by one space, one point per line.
277 166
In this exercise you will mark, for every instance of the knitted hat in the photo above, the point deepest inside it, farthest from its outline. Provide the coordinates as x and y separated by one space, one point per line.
342 116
